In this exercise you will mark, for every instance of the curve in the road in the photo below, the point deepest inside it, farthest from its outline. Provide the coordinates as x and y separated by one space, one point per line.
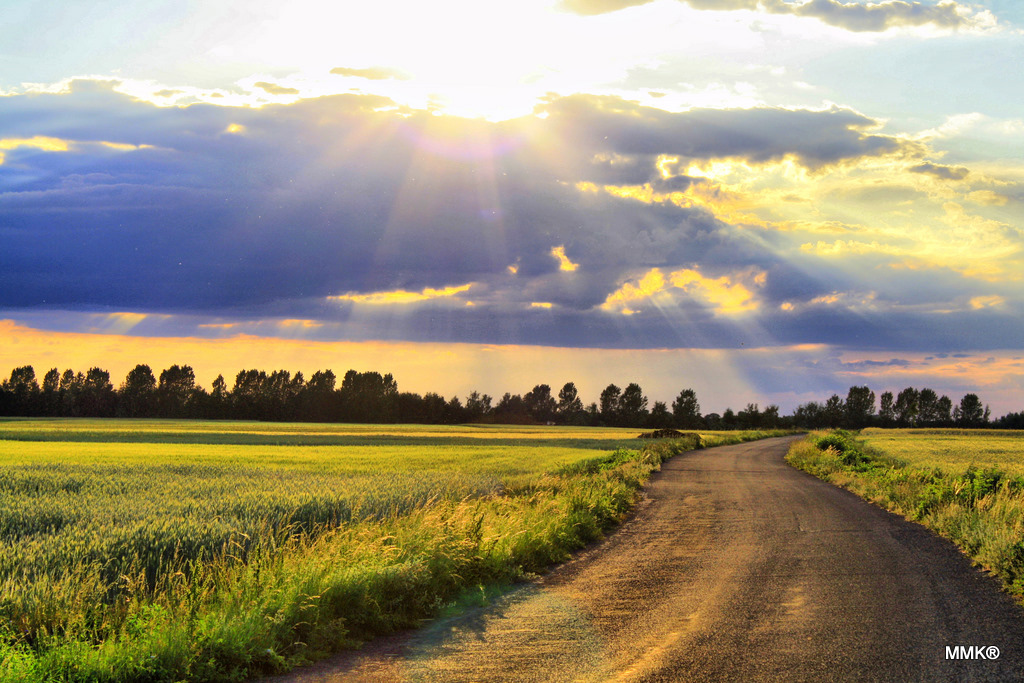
735 567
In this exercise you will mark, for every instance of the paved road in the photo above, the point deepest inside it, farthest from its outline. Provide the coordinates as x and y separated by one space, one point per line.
736 567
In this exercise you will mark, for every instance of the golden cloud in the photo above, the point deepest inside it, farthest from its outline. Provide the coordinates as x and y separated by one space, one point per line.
47 144
649 285
563 261
401 296
726 295
979 302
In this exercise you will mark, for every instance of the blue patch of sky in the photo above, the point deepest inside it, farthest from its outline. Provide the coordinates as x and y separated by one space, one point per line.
918 85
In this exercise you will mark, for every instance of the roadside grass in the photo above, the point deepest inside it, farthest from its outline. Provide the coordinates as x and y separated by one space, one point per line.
968 486
142 560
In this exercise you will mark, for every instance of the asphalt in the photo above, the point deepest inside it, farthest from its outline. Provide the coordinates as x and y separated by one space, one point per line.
735 567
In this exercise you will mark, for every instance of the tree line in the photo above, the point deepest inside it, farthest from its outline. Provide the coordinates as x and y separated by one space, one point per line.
372 397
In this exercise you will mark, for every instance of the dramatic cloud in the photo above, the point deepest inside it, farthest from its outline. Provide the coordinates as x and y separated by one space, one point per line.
852 16
814 138
207 207
351 217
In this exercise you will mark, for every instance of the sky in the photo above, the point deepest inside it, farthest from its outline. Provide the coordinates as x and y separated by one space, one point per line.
768 201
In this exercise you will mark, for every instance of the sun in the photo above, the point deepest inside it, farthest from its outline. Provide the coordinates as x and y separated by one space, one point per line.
461 57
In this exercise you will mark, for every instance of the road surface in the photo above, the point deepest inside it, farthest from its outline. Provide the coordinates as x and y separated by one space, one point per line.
735 567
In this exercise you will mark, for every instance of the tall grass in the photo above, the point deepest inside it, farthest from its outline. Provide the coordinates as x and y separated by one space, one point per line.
981 509
141 561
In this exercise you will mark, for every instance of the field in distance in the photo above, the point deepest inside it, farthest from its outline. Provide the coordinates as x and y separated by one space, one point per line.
952 450
156 550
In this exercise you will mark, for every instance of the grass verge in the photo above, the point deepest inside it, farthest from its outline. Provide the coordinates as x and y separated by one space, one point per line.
229 616
980 509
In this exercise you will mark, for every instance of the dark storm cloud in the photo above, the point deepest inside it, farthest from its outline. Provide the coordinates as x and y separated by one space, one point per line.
851 16
234 207
249 214
814 138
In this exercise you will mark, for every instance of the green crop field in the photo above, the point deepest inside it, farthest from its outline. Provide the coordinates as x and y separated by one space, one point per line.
151 550
967 485
951 450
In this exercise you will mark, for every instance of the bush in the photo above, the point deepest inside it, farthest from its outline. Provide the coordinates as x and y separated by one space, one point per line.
838 440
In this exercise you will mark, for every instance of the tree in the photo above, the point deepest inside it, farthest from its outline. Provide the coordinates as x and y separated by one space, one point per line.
51 392
478 406
660 417
770 417
97 398
886 409
927 408
944 411
247 396
835 411
409 407
632 409
175 391
454 413
540 403
281 394
318 399
369 397
610 404
511 409
435 408
686 410
1011 421
970 412
906 407
570 407
24 390
219 401
137 392
860 407
69 390
810 415
749 417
